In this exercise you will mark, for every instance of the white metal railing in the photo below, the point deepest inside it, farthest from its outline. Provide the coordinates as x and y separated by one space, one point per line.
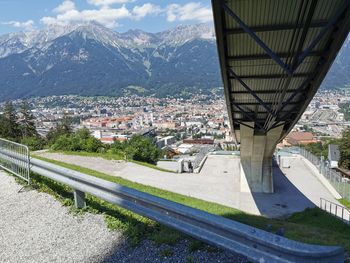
18 166
336 210
340 184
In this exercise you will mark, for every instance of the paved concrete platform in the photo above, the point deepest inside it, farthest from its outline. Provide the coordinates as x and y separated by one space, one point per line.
296 188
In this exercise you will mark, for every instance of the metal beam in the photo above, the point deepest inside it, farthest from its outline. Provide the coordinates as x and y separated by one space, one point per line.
264 112
323 32
300 89
269 28
268 91
293 111
268 103
244 124
246 115
272 76
277 124
262 103
266 56
256 112
255 119
272 54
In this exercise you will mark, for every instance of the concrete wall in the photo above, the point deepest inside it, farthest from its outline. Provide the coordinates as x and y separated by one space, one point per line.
174 166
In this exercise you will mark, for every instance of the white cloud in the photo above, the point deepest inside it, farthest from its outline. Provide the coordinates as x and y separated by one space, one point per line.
27 25
105 15
144 10
109 16
189 11
65 7
108 2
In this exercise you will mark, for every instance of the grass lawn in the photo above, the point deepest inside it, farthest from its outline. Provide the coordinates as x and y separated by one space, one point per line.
310 226
106 155
109 156
345 203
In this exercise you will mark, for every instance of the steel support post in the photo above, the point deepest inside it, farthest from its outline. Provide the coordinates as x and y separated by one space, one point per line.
79 199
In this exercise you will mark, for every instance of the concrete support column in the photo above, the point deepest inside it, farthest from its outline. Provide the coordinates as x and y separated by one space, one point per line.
256 159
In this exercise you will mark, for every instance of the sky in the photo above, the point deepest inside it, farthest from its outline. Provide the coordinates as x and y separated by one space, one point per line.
119 15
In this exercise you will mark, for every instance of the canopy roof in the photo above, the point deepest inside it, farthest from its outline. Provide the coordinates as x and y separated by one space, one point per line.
274 55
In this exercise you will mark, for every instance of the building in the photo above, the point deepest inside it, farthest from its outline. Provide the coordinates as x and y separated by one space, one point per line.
166 141
164 125
199 141
297 138
333 155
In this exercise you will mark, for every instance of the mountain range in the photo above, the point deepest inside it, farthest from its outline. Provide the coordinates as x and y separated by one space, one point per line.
339 74
90 59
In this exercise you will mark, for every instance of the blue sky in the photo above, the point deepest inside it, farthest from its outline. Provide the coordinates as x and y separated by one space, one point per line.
120 15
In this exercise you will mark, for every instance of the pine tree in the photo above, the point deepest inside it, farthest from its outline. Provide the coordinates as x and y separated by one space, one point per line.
344 148
66 125
9 126
63 128
27 122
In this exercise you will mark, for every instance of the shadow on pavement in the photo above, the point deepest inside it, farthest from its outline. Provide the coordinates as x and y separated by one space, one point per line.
287 199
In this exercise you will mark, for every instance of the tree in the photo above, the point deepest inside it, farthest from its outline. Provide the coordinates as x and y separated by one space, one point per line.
27 122
81 140
344 148
117 146
143 149
318 148
9 128
64 127
34 143
66 124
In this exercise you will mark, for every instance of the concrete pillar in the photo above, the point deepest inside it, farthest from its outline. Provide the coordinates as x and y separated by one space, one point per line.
256 159
180 164
79 199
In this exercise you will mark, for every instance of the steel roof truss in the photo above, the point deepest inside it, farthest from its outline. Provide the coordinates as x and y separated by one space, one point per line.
277 124
261 43
267 28
246 114
292 111
262 103
266 56
273 76
323 32
301 88
244 124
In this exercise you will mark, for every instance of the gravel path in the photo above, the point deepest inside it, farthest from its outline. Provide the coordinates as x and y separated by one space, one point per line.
34 227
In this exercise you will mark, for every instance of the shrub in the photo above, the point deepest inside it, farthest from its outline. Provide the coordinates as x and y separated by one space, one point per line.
81 140
142 149
34 143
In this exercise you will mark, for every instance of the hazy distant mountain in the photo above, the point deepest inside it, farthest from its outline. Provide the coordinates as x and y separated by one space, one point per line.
339 74
89 59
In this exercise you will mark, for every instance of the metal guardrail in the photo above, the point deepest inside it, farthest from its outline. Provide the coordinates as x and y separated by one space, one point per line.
256 244
17 166
336 210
